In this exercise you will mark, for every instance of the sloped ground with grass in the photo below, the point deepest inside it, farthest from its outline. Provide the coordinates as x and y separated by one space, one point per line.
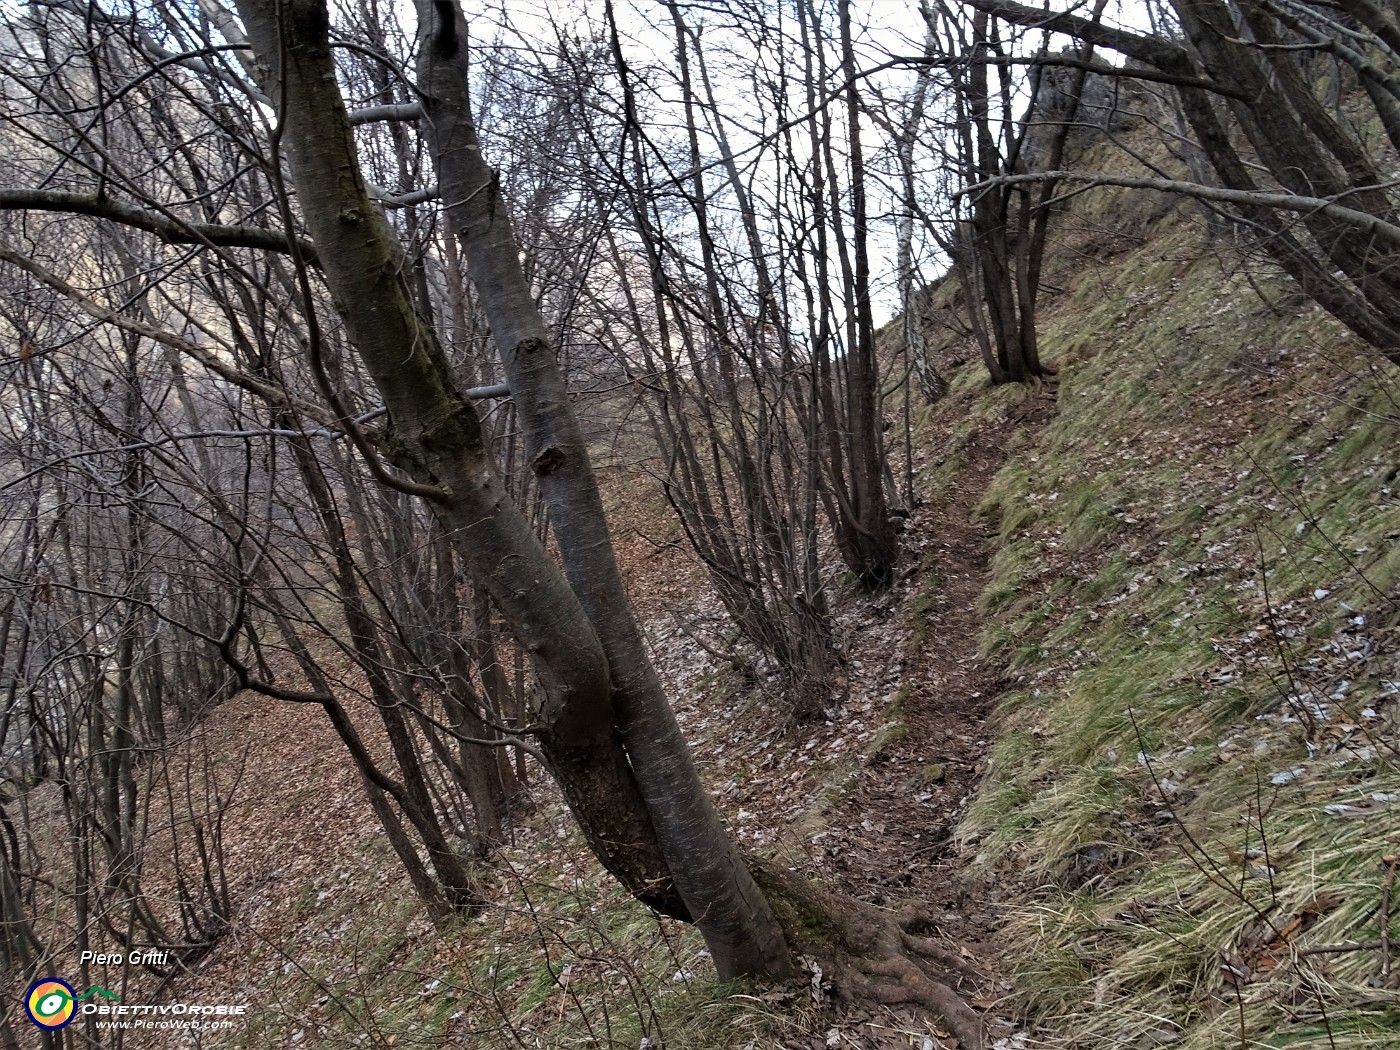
329 948
1192 808
1173 573
1189 806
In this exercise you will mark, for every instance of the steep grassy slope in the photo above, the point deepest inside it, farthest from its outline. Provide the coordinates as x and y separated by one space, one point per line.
1193 804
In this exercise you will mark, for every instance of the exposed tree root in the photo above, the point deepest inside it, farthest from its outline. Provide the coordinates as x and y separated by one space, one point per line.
874 955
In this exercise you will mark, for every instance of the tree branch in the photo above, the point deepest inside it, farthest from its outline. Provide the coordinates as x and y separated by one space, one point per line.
482 393
1096 66
1293 202
389 199
1166 56
269 392
399 111
169 230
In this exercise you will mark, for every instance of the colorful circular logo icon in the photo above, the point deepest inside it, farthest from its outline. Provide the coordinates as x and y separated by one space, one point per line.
50 1003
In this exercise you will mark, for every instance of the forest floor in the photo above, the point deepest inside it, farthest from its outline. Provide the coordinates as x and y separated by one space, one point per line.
866 803
329 945
1137 685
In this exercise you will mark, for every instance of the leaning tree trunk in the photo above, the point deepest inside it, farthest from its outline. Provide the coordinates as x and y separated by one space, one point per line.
664 842
728 907
437 439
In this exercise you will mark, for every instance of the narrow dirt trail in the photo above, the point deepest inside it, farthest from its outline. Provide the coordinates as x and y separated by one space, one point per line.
891 838
300 831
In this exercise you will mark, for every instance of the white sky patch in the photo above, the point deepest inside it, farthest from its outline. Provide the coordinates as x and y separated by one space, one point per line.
884 29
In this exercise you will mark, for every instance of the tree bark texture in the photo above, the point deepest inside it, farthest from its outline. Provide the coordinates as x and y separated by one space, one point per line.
438 441
717 890
640 804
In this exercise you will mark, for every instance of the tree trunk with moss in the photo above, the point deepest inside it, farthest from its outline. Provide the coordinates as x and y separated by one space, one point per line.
709 874
602 719
438 443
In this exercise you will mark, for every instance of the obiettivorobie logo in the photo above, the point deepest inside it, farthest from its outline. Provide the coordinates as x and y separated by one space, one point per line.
52 1003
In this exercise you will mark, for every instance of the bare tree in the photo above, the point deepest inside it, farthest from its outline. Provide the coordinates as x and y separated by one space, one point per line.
1261 68
1011 111
318 311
